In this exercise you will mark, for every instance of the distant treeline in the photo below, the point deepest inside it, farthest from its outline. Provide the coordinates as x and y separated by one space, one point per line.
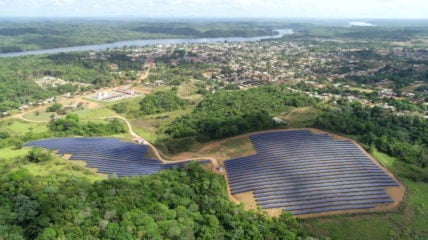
13 31
374 33
192 32
34 35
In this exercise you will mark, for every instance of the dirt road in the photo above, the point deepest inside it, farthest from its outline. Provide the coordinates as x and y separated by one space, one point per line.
214 161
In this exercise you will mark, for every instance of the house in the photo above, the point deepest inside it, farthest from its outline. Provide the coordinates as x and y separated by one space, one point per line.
70 107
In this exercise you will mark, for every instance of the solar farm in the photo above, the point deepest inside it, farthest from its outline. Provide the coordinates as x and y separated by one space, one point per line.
298 171
307 173
108 155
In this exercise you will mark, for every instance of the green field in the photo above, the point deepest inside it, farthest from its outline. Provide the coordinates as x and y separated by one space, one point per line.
386 160
12 160
20 127
299 117
148 126
95 114
39 116
188 91
9 153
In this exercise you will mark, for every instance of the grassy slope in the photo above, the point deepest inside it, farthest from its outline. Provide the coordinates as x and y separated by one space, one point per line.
20 127
409 222
38 116
12 160
229 149
299 117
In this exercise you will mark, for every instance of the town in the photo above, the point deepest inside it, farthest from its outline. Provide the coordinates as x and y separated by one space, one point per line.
351 71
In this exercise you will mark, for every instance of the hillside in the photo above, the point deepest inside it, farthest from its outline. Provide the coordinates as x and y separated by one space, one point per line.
190 101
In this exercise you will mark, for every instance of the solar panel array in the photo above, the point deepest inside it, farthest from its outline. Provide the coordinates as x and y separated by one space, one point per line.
108 155
304 173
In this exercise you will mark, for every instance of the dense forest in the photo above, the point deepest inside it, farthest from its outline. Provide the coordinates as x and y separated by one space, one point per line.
18 36
160 102
217 30
379 33
71 126
187 203
229 113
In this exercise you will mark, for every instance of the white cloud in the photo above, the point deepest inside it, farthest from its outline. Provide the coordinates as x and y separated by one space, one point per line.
212 8
62 2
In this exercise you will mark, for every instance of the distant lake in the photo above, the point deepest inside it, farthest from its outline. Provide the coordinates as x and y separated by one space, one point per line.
147 42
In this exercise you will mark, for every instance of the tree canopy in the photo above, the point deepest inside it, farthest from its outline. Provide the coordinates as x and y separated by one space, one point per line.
160 102
188 203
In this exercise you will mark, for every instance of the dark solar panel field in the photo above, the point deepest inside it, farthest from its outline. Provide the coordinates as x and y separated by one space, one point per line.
305 173
108 155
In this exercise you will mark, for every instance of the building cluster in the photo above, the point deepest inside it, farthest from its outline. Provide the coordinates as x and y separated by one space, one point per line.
248 64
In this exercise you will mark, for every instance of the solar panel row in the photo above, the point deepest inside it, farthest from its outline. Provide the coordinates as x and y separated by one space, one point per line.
108 155
305 173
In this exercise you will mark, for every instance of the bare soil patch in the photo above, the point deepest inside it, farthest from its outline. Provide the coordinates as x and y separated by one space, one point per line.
87 104
248 199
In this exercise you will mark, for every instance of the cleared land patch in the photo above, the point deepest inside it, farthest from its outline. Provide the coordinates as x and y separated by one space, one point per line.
312 174
299 116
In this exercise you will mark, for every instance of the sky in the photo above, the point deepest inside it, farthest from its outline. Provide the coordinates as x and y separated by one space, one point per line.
412 9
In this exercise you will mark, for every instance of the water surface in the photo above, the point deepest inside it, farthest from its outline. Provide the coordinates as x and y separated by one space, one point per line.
147 42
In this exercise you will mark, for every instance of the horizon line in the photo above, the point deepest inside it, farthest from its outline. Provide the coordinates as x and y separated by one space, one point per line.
121 17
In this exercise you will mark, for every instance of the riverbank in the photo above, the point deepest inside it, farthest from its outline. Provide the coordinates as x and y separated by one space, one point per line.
147 42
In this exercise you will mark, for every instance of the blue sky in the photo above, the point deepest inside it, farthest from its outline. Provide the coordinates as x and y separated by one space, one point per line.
217 8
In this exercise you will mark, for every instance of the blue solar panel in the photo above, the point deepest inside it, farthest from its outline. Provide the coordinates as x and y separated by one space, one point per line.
303 172
328 204
108 155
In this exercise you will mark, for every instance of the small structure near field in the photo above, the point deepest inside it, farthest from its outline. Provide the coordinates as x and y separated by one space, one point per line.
140 141
117 94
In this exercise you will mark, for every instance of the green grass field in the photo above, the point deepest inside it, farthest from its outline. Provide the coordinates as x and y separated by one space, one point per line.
9 153
299 117
84 114
20 127
11 160
386 160
94 114
39 116
188 91
148 126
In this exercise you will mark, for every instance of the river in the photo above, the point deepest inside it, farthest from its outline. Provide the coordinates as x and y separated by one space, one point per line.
147 42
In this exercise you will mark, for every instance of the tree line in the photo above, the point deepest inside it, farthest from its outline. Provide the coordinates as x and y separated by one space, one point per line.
188 203
404 137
